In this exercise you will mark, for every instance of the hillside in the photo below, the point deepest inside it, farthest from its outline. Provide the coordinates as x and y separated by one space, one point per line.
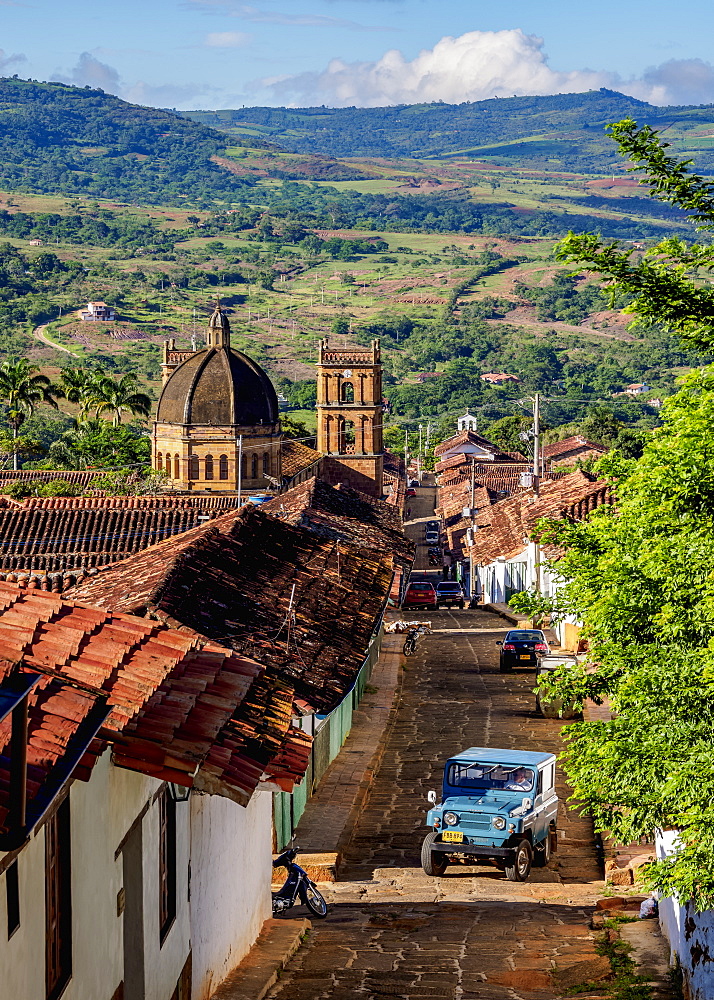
79 142
563 131
55 138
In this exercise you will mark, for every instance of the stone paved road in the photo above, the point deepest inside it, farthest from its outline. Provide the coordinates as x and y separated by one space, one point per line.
393 931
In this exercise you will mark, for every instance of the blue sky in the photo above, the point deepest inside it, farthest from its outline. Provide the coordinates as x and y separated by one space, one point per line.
225 53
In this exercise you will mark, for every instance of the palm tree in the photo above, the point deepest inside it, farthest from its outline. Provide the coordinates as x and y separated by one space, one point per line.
22 387
80 386
117 396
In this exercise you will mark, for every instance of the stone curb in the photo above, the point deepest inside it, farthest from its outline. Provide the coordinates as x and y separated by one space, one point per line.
372 768
504 611
260 969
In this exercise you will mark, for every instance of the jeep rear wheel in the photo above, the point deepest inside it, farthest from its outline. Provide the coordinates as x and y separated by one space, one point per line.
433 862
518 865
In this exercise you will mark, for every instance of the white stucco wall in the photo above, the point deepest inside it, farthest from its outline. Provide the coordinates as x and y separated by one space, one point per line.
101 812
22 958
690 934
231 870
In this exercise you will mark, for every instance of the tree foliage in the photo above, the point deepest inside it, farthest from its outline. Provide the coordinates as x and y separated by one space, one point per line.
639 574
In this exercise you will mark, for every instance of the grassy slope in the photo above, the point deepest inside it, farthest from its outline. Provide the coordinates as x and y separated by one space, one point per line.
553 132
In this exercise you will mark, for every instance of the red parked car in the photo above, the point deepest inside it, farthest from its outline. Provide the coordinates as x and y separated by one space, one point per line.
411 492
420 595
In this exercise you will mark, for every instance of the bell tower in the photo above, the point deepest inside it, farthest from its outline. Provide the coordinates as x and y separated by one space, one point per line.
350 416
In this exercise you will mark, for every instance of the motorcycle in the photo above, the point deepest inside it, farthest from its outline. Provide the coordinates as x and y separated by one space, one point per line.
413 634
297 883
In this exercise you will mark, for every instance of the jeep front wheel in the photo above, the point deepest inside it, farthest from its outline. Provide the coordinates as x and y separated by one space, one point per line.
518 865
433 862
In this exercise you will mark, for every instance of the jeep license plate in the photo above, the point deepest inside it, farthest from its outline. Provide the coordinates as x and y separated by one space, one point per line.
452 837
525 656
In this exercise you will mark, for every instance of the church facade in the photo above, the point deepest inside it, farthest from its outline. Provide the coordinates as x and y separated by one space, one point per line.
217 426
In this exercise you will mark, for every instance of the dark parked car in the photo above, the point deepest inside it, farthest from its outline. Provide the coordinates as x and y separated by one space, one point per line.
449 593
431 526
522 648
420 595
414 482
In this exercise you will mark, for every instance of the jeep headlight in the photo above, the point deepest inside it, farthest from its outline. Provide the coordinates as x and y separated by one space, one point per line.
451 819
499 822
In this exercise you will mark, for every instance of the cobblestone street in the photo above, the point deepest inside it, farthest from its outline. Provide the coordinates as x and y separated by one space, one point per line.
394 931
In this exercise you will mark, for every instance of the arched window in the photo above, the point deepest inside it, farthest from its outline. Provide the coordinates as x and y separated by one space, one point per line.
347 443
266 463
159 461
223 467
209 466
348 392
254 467
193 471
177 467
244 466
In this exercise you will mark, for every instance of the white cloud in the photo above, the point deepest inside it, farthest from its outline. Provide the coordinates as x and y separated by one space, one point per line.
226 39
678 81
90 72
7 61
479 65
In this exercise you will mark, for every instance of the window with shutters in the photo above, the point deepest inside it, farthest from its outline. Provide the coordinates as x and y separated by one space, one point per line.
193 472
223 467
167 863
58 902
209 466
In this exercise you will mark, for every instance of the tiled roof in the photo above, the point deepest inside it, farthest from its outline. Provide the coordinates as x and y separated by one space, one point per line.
569 445
172 704
296 456
341 512
302 603
162 501
54 544
85 478
504 527
467 437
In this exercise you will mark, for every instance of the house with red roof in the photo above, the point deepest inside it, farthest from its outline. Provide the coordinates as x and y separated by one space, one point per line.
148 718
572 449
504 548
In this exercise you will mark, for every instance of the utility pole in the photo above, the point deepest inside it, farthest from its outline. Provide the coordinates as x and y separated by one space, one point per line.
240 465
472 588
536 444
406 452
420 453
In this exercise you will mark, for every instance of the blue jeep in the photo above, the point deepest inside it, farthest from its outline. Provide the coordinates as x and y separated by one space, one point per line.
497 804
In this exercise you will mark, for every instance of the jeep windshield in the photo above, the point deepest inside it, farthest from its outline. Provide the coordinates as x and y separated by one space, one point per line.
483 777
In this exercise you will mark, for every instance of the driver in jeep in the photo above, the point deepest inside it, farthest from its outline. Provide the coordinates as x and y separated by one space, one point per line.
520 781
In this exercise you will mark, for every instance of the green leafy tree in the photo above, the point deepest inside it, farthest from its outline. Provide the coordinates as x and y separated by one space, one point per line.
22 387
119 396
97 443
80 386
638 573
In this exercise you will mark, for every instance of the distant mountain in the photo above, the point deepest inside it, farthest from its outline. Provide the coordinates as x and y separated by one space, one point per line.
563 131
55 138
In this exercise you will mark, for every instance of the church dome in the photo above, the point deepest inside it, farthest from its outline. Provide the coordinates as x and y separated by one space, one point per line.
218 386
